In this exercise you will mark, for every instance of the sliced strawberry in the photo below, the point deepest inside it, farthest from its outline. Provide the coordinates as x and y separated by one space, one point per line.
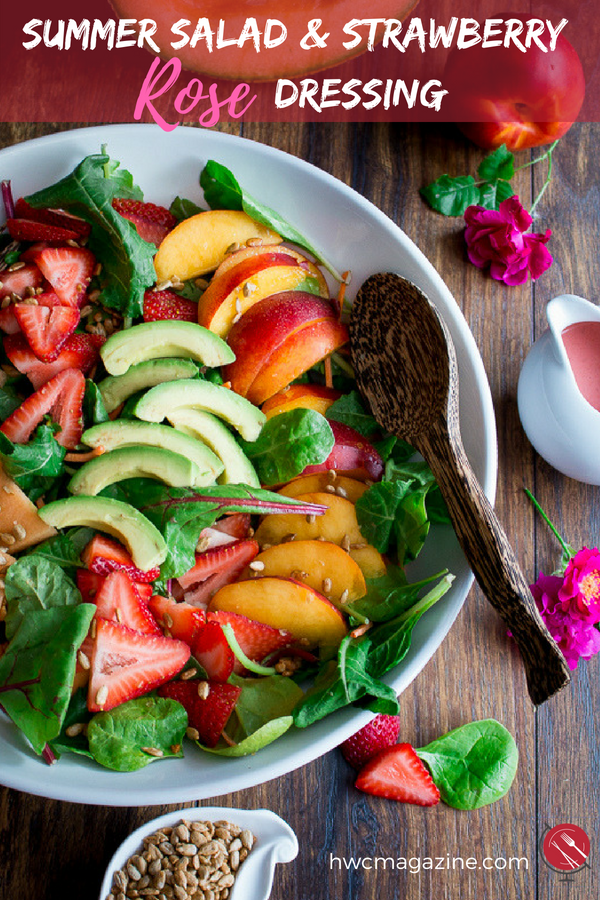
89 585
212 651
80 351
69 270
26 230
397 773
255 639
8 320
104 555
17 281
221 564
52 217
46 329
236 524
126 664
382 731
82 672
152 222
62 398
178 620
159 305
119 601
209 716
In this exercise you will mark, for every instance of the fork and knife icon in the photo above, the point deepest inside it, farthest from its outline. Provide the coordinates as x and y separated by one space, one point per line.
570 843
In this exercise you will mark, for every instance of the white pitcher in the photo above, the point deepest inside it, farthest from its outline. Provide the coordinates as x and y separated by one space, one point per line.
561 424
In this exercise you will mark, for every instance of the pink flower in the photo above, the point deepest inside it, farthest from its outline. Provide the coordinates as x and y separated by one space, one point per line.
498 239
576 636
581 585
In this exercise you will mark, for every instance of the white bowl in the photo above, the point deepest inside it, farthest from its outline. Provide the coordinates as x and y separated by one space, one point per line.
352 233
275 843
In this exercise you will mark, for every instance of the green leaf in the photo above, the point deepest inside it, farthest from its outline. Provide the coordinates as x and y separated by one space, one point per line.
264 699
184 209
34 583
451 196
127 260
64 549
9 400
116 738
76 714
377 511
473 765
492 193
94 410
256 741
350 410
38 667
499 164
121 181
390 595
288 443
35 465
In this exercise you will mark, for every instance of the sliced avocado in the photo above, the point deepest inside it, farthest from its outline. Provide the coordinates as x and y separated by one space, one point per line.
206 427
128 432
136 461
121 520
157 340
117 388
159 402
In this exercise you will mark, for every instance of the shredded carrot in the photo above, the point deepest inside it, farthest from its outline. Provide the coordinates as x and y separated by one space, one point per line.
228 740
84 457
328 372
362 629
116 412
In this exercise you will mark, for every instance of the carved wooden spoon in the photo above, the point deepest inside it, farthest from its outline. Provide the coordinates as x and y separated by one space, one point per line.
406 367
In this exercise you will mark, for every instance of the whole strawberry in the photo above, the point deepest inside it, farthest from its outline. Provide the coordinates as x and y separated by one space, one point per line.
382 731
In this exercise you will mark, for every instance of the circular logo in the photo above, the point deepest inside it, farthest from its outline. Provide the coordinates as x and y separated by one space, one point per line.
566 847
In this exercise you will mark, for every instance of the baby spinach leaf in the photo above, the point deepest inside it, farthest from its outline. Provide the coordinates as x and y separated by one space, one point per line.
94 410
264 699
222 191
38 667
121 181
472 765
390 595
34 465
499 164
350 410
394 449
451 196
260 738
377 512
34 583
127 260
77 713
9 400
288 443
116 738
64 549
184 209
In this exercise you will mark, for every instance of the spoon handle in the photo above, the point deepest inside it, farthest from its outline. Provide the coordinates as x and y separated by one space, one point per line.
493 561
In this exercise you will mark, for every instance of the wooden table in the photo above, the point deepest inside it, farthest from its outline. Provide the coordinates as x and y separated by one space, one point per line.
59 850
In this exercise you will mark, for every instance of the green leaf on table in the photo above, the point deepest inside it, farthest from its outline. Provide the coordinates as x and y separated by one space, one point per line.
260 738
473 765
94 410
116 738
77 714
38 667
222 191
184 209
127 260
451 196
35 465
34 583
492 193
288 443
499 164
350 410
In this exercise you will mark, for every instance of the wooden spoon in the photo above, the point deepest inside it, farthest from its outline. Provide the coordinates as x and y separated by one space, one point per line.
406 367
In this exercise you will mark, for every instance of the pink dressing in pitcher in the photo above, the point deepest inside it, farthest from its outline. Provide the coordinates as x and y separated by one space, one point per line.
582 343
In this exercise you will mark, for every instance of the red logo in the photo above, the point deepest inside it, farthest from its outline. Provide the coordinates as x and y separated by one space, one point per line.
566 848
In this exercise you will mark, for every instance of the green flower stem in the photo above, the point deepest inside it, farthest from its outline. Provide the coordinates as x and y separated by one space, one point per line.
568 551
547 155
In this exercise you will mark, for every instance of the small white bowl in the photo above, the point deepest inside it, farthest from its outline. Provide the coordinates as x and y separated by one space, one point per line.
275 843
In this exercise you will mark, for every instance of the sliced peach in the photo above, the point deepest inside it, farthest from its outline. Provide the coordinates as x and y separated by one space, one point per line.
369 560
246 253
346 487
20 524
353 454
199 244
319 564
286 604
301 396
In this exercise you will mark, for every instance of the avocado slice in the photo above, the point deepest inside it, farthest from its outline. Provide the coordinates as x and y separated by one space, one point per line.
157 340
128 432
117 388
121 520
159 402
205 427
136 461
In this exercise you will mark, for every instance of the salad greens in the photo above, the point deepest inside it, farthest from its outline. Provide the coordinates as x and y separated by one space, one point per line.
288 443
35 465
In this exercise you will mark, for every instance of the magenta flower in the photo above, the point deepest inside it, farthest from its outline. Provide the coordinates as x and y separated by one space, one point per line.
498 239
580 590
576 636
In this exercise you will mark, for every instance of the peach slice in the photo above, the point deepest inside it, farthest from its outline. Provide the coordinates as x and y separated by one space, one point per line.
369 560
319 564
301 396
199 244
286 604
343 486
238 256
265 327
20 524
234 292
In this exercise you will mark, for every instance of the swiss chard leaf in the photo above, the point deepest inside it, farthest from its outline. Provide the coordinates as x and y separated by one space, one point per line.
499 164
117 738
451 196
472 765
184 209
35 583
288 443
350 410
35 465
127 260
38 667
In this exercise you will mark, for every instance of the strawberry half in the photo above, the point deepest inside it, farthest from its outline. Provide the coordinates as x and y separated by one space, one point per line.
62 398
178 620
256 640
160 305
52 217
235 524
90 584
209 717
152 222
397 773
18 280
119 601
8 319
212 651
69 270
79 351
27 230
46 329
104 555
126 664
215 568
380 732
